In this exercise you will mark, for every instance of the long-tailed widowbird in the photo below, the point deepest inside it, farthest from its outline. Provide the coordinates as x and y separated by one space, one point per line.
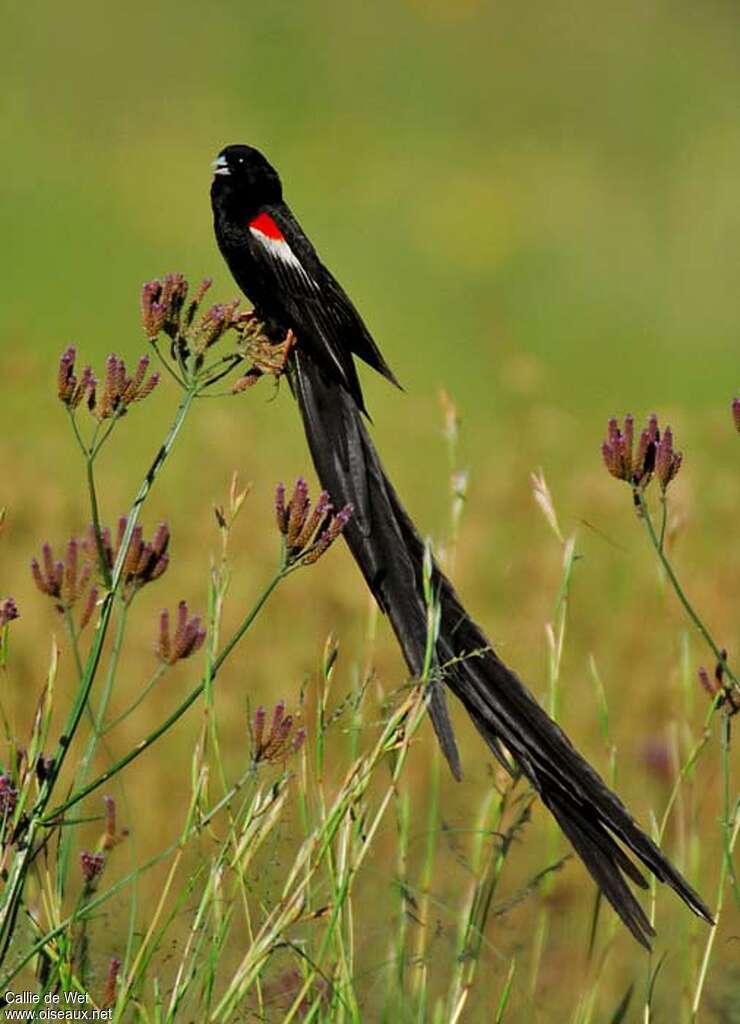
279 270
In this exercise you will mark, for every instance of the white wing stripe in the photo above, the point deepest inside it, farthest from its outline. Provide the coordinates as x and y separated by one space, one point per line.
279 249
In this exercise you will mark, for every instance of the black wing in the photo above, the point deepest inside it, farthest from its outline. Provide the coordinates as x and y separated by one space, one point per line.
312 302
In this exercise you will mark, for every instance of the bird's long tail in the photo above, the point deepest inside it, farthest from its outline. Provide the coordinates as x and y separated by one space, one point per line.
390 554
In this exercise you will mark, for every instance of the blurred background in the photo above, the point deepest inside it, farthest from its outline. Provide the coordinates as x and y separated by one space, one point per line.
535 208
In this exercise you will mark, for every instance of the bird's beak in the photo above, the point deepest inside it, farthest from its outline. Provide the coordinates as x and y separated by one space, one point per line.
220 166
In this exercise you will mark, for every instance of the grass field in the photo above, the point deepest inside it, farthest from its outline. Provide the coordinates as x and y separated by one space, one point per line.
536 210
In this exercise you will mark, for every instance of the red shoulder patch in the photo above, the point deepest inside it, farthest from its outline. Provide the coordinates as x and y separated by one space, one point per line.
264 223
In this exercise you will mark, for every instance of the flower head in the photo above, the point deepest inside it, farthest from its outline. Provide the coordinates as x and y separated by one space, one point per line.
91 865
111 981
308 531
145 561
117 391
8 611
162 303
63 579
213 325
70 390
187 639
281 741
166 309
8 796
111 836
653 455
667 461
736 412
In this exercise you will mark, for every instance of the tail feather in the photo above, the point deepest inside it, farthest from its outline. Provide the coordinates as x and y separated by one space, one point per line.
390 553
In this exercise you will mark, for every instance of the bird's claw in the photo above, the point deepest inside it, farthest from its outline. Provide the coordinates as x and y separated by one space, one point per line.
268 358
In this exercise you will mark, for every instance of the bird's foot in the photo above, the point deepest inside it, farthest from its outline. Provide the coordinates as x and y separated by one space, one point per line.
268 358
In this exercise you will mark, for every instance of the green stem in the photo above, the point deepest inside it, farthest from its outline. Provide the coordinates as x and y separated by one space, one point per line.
17 873
176 715
94 509
167 366
146 484
732 833
95 735
730 812
134 705
663 522
69 623
78 436
678 589
97 445
89 454
74 643
247 622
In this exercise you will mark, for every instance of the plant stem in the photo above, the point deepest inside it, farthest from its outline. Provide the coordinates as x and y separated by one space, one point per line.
248 620
69 623
732 832
663 521
157 675
92 493
176 715
148 481
17 874
688 608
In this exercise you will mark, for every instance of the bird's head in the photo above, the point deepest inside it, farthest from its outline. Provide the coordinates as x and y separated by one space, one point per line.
243 176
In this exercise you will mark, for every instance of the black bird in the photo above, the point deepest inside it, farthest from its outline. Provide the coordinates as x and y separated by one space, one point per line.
279 270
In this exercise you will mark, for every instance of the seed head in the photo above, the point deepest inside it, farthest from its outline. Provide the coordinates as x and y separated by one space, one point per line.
173 295
667 462
258 730
89 606
144 561
336 526
119 390
8 796
736 412
91 865
212 326
308 532
164 308
63 580
188 637
8 611
281 512
111 981
297 511
644 463
617 451
314 521
111 836
70 390
153 312
280 742
199 295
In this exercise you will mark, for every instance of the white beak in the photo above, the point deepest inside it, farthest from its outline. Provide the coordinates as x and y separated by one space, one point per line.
220 166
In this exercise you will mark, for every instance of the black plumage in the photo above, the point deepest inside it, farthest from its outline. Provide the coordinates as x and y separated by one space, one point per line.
276 266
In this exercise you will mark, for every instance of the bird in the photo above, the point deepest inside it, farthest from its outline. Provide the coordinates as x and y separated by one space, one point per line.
291 290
